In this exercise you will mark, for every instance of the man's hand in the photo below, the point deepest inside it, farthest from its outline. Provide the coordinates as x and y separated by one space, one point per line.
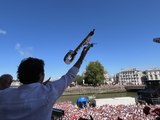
82 56
47 81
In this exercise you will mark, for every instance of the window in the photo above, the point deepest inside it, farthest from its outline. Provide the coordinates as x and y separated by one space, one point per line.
156 77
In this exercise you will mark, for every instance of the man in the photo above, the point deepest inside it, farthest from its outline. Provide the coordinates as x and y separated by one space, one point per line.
34 100
5 81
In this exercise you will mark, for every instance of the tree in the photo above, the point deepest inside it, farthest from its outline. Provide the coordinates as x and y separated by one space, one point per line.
94 73
79 80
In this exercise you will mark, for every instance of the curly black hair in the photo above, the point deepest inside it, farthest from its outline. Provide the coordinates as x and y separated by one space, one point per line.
30 69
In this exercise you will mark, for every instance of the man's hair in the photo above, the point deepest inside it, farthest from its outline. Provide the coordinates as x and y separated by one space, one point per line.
5 81
30 69
6 76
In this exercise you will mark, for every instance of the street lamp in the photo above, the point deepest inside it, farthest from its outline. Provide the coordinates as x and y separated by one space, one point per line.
157 40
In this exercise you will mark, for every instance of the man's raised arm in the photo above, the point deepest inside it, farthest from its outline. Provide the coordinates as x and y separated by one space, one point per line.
82 56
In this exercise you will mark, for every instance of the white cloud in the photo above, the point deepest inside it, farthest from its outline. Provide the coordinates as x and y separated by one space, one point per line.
18 45
3 32
23 51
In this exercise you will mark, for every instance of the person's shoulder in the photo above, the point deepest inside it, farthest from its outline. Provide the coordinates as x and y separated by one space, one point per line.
8 92
10 89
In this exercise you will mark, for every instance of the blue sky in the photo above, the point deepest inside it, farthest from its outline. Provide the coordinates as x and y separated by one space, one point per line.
48 29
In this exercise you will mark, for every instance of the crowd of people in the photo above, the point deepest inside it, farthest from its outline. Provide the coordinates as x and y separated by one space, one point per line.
108 112
104 112
35 99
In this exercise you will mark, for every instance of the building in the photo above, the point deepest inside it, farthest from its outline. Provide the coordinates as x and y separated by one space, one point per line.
130 76
153 74
107 78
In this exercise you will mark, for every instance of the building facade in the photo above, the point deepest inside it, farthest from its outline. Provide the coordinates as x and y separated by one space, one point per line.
130 77
107 78
153 74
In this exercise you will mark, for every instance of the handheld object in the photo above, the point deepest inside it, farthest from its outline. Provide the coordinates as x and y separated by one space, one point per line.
69 57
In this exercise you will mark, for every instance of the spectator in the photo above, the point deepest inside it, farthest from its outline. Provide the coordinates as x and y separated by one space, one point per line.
156 111
34 100
5 81
146 110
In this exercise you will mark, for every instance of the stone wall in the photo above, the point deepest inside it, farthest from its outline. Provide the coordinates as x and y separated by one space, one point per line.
90 90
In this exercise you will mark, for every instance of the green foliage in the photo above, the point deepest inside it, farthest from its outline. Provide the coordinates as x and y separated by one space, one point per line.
94 73
79 80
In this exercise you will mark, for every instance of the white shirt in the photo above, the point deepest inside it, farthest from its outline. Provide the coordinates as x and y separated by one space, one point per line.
33 101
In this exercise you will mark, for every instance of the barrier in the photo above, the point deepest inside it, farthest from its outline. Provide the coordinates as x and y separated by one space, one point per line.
57 114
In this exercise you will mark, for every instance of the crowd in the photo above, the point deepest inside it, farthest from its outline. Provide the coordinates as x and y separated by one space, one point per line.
108 112
104 112
34 99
